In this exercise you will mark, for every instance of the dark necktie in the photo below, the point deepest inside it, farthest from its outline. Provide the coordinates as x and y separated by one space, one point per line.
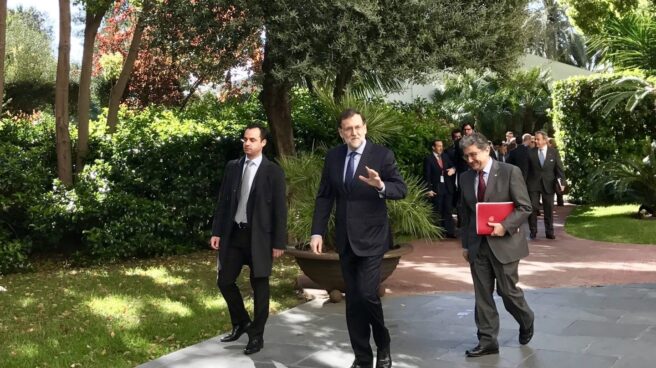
348 178
439 161
481 186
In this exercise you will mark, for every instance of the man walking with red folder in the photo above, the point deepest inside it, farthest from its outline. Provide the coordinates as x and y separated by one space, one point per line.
494 257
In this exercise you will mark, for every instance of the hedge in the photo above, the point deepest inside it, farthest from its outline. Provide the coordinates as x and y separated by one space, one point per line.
588 138
150 188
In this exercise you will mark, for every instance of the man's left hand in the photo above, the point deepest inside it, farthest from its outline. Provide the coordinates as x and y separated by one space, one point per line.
373 179
499 230
278 252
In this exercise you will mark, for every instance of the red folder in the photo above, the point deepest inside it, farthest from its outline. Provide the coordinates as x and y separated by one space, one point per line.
491 212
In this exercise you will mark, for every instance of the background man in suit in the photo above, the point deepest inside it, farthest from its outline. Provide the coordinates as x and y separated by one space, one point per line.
359 176
558 185
494 257
438 170
543 170
249 228
519 155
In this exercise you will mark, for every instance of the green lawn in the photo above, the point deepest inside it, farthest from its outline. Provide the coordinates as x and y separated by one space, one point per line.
616 224
120 315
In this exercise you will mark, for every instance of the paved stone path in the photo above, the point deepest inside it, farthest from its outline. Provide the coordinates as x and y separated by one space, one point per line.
604 327
429 305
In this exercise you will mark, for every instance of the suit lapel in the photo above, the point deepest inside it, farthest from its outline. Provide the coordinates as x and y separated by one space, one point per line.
258 175
491 180
340 165
364 161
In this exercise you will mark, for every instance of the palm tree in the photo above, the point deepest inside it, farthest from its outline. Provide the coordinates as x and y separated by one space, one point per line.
634 177
628 42
633 90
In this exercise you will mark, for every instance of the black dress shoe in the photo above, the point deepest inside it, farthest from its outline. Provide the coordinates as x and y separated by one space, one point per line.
533 236
384 359
551 236
237 331
358 364
525 336
479 351
254 345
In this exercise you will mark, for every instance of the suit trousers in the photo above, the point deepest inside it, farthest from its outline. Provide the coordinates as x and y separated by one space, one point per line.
443 206
485 270
547 210
364 310
239 255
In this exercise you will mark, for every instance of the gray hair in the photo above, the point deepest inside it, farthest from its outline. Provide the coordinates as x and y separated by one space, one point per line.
543 134
476 139
526 137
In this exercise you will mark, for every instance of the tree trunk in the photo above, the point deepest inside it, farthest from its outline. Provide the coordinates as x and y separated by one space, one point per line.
64 161
3 39
275 98
191 93
92 23
118 89
342 80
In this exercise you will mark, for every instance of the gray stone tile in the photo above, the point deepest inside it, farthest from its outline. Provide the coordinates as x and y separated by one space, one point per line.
635 362
604 329
559 359
507 357
617 347
577 327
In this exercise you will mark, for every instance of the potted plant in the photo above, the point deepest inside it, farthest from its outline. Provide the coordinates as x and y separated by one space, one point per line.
409 217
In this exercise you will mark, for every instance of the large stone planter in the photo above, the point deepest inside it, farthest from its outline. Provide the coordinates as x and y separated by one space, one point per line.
325 271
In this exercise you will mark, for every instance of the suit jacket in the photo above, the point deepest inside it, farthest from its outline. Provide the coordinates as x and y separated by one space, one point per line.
519 158
266 212
505 184
542 178
433 174
361 214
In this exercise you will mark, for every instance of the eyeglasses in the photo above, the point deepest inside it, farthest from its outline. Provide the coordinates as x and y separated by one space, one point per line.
472 155
357 128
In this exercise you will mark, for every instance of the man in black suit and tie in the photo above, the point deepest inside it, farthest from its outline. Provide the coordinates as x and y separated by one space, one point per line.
544 169
359 177
249 228
494 257
438 170
519 156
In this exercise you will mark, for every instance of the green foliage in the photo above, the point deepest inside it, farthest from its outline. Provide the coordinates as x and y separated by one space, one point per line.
633 90
410 216
421 123
589 16
635 177
28 159
29 56
590 138
29 96
13 254
627 42
496 103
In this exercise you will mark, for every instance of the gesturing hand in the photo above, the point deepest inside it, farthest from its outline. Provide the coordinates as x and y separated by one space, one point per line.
372 178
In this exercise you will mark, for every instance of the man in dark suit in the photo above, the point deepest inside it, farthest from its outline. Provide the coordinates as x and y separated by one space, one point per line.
438 170
544 169
249 228
519 156
494 257
359 177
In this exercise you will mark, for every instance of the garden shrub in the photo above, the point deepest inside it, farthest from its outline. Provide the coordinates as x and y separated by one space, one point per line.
587 138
